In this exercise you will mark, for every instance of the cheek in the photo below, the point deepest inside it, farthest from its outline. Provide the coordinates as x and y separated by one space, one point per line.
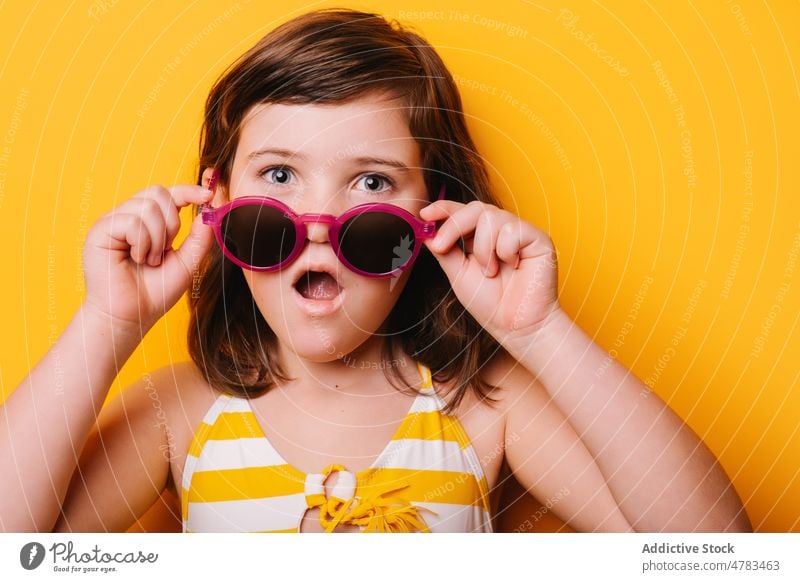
266 291
371 300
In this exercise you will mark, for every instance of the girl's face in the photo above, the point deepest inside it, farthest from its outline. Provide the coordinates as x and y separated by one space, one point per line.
327 159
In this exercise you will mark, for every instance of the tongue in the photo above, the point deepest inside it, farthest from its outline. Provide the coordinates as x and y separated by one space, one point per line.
320 286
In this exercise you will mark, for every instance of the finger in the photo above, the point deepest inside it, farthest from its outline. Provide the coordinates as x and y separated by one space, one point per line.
151 214
440 209
173 199
484 243
126 232
183 263
168 208
508 244
185 194
461 223
532 242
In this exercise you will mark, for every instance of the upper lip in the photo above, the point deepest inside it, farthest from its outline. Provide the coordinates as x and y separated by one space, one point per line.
318 267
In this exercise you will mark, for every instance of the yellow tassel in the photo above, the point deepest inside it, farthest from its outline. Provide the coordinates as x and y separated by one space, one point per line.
377 513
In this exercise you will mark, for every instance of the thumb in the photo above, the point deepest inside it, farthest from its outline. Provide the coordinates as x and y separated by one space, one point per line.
181 264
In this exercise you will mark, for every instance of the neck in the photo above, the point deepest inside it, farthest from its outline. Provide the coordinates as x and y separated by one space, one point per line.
359 373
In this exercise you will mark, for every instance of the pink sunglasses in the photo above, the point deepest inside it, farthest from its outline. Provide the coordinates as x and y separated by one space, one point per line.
263 234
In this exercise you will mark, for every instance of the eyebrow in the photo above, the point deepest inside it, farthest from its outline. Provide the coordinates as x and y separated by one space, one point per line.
361 160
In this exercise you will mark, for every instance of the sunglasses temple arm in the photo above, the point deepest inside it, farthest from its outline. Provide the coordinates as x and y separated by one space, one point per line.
205 209
429 228
212 182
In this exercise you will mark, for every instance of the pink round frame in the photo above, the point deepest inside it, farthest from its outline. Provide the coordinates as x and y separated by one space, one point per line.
214 216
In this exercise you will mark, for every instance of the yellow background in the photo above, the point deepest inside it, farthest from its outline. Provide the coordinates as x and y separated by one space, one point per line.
656 142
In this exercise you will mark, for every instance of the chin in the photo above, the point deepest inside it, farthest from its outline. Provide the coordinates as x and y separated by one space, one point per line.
317 341
318 357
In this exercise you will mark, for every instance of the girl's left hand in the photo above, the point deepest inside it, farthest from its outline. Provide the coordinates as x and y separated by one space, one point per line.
508 279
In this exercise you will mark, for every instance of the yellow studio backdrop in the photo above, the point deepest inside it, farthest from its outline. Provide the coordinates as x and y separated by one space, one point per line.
656 142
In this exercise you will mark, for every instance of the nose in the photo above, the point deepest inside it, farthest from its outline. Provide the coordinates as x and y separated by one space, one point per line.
317 231
318 209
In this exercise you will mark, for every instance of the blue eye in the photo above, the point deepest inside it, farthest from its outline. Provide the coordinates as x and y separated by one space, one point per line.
281 175
374 181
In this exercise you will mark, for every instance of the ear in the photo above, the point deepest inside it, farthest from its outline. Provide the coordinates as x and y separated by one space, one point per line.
207 176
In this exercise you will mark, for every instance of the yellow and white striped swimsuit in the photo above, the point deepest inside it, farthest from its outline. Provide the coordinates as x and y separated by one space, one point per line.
428 478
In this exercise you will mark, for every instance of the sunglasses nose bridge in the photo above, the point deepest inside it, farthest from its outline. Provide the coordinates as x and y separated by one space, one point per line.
317 225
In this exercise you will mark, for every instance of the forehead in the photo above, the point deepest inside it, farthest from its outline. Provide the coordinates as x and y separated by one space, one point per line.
366 125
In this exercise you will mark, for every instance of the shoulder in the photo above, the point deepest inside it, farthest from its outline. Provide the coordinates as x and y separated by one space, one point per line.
512 380
181 381
179 389
547 456
487 423
511 384
132 454
183 396
522 404
186 392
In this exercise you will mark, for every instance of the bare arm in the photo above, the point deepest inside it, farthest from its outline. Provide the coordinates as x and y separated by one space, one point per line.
45 422
548 458
124 465
133 276
663 477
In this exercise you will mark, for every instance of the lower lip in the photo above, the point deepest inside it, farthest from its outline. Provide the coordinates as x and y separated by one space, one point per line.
318 307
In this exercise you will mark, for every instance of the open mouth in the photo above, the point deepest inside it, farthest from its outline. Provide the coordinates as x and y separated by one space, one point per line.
317 286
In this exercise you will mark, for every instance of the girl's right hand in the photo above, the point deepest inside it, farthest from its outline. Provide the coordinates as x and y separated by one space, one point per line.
132 273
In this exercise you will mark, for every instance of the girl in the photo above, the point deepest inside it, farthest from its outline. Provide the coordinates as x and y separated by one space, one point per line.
372 337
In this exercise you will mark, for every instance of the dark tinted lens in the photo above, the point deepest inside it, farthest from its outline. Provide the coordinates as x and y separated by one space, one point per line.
377 242
258 235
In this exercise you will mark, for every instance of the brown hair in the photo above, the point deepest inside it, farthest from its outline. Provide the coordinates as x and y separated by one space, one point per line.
328 56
